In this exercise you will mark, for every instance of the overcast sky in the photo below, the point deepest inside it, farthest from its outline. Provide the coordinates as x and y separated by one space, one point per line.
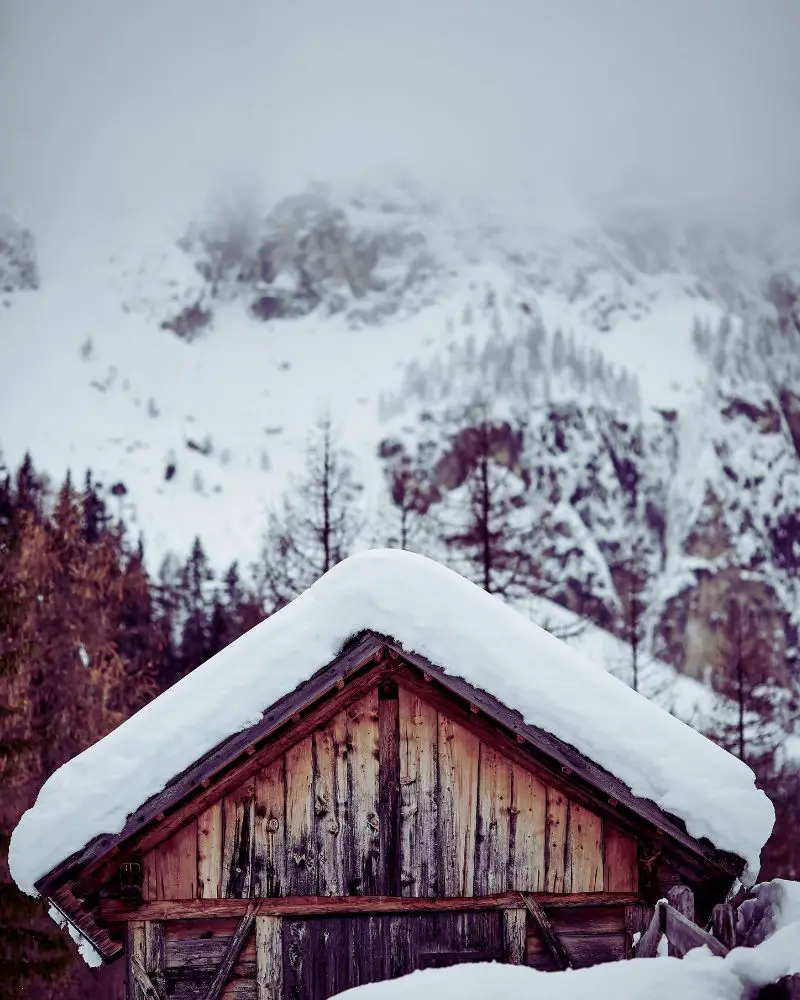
117 109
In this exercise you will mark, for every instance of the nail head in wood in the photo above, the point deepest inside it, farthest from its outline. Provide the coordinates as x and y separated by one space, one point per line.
426 678
520 738
250 750
474 709
295 716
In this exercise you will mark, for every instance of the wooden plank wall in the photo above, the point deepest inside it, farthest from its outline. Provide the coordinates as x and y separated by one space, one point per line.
464 820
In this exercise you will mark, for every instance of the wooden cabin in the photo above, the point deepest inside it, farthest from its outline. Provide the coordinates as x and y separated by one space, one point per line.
383 816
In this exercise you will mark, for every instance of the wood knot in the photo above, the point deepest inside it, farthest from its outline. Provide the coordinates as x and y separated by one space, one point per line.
272 825
373 821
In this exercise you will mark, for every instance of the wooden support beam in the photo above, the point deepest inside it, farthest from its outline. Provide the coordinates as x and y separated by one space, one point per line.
269 958
144 951
684 935
681 898
547 932
113 911
232 952
514 936
647 946
637 919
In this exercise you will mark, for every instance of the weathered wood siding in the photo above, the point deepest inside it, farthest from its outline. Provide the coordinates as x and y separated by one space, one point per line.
590 935
392 797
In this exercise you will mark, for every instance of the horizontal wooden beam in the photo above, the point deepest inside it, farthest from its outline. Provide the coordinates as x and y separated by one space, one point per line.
114 910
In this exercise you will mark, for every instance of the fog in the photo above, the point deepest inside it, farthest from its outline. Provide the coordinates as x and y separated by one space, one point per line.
117 111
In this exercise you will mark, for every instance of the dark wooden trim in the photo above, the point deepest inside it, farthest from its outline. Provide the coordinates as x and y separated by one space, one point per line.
113 910
389 789
232 952
546 931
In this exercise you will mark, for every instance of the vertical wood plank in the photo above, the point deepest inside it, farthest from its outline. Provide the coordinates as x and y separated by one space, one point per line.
418 796
135 951
269 958
329 801
514 936
389 789
176 864
584 870
269 848
209 852
362 738
527 850
149 876
556 840
620 861
238 810
458 787
493 828
154 956
301 878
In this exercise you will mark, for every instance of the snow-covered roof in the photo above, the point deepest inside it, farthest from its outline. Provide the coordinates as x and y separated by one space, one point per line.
431 611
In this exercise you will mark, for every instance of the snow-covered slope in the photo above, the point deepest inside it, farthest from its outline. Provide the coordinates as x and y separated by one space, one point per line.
188 371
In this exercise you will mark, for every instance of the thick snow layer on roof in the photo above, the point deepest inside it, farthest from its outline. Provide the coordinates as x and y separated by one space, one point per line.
432 611
699 976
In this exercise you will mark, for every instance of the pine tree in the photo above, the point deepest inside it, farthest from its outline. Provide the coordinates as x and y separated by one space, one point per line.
317 522
486 524
749 721
32 950
234 611
195 596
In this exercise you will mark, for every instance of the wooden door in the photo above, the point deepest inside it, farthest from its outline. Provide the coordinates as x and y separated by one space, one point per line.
324 955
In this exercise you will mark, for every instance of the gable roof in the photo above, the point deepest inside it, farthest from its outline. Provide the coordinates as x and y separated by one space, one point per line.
473 643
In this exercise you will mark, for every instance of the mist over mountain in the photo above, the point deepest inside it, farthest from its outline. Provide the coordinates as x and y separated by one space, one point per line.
218 227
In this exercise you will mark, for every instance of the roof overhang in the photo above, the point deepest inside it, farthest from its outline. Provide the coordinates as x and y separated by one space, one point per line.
73 885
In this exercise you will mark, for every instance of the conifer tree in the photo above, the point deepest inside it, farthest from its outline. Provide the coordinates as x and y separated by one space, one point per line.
316 523
486 524
32 950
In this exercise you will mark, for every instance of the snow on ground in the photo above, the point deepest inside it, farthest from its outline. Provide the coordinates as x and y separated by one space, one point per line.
440 615
699 976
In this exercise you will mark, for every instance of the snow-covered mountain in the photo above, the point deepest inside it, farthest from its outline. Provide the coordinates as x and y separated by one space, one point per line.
187 376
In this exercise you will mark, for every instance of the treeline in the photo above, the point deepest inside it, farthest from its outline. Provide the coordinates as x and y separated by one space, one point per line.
87 637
